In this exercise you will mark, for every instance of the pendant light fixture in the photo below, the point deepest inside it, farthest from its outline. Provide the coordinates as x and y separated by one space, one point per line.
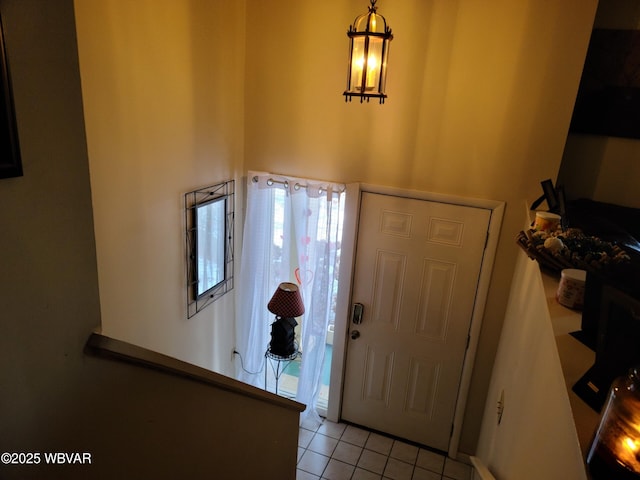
369 50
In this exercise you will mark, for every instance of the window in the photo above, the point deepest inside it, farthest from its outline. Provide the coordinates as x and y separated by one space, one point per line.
292 233
209 218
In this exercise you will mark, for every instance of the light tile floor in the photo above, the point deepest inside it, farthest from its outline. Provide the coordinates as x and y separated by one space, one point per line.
337 451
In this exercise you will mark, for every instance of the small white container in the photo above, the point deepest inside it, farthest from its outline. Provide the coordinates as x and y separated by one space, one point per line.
571 289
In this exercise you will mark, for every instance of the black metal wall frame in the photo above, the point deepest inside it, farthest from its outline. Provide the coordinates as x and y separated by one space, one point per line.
192 199
10 162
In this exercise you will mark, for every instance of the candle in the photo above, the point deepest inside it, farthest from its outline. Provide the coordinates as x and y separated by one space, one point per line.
615 451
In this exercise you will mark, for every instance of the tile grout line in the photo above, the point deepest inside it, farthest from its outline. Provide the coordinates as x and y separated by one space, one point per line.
387 456
359 456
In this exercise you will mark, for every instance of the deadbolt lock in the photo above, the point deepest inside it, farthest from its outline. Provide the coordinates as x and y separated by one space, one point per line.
356 316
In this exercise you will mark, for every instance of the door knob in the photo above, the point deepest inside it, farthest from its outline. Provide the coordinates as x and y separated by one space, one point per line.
355 334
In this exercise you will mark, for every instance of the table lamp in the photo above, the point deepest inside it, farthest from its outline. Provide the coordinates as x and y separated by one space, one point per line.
286 304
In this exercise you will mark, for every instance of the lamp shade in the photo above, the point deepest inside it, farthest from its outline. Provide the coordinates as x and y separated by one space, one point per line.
286 301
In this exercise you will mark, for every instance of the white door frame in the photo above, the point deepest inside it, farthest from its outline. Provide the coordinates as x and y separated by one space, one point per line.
343 307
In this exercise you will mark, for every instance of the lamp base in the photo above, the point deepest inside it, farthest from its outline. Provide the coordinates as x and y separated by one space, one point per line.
283 337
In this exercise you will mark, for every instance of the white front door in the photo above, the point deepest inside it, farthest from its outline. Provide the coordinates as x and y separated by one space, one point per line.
416 275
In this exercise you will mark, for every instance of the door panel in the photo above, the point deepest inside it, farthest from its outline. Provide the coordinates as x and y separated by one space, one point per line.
387 282
436 290
416 273
422 385
378 368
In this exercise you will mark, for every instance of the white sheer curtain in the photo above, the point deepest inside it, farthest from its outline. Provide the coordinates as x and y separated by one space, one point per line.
291 233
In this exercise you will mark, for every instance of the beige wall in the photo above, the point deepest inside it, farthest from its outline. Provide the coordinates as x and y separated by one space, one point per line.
48 285
135 423
163 101
605 169
535 437
48 280
480 98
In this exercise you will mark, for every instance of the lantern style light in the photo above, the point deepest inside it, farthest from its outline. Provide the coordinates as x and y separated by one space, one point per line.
369 50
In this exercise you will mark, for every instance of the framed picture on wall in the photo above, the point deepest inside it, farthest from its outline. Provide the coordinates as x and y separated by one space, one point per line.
608 100
10 163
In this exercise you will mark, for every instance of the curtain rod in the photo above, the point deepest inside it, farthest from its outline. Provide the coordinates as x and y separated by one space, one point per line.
296 186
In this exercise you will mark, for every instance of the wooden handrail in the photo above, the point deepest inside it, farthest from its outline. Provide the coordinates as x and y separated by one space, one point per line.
103 346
